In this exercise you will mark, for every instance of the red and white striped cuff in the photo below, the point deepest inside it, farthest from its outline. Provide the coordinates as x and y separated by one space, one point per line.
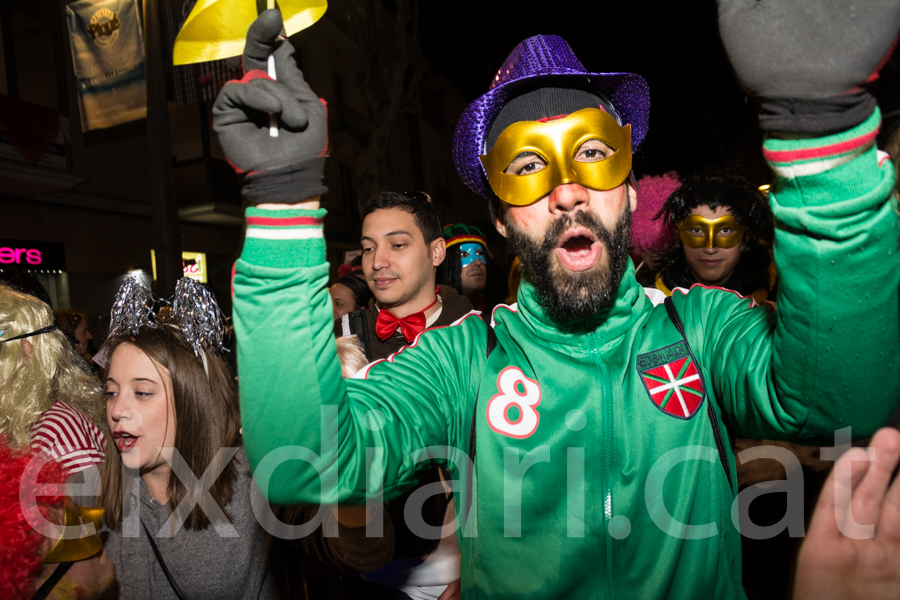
289 226
801 158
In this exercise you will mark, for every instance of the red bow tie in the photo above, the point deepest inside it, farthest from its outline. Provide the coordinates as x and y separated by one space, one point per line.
410 325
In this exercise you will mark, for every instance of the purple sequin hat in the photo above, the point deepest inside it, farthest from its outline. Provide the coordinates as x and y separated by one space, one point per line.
544 56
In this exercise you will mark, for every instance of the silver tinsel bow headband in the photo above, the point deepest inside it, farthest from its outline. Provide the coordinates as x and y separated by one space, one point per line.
132 308
194 311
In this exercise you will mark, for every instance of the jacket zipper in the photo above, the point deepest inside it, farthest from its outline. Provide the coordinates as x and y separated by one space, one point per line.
606 432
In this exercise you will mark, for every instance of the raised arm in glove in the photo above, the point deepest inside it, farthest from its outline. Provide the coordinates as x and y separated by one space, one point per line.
289 168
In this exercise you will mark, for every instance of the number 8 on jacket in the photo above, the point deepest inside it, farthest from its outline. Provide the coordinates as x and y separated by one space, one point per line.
518 395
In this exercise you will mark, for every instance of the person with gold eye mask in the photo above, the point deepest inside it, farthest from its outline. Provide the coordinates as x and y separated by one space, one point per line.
723 237
531 158
587 428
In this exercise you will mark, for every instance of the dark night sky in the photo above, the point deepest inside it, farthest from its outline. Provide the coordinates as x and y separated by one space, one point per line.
699 114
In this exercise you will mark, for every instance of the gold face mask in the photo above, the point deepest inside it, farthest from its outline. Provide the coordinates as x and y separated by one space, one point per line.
557 144
85 546
711 228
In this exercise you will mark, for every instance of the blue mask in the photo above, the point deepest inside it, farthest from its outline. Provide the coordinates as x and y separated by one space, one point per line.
470 253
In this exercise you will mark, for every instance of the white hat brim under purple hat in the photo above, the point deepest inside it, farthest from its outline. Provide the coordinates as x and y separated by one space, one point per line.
549 57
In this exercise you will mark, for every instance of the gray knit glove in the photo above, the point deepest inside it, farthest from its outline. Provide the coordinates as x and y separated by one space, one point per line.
805 59
284 169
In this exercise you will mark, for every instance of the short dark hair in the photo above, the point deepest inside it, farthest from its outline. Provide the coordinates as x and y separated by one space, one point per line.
358 287
419 205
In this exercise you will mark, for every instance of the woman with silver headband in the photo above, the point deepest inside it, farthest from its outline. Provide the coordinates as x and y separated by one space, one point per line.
189 530
177 486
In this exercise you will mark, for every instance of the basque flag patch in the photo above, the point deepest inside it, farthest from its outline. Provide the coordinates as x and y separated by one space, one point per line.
672 380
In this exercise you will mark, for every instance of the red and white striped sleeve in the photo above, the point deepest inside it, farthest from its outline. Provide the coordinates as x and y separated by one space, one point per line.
68 436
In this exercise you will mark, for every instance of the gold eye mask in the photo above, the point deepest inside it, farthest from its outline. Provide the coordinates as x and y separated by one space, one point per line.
711 228
557 144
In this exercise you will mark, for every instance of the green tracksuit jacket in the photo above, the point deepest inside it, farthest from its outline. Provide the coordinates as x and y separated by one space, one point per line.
597 472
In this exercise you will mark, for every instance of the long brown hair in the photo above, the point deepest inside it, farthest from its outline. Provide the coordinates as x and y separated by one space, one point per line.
69 319
207 418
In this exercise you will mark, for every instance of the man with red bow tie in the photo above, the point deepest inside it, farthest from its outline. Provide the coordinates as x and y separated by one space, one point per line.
402 246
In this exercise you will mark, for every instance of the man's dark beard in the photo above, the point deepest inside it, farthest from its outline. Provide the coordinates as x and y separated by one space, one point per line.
573 296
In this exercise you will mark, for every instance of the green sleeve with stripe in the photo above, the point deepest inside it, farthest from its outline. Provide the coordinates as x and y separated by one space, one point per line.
300 418
829 356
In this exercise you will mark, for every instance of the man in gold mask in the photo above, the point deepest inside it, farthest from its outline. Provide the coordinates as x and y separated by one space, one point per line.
559 163
592 421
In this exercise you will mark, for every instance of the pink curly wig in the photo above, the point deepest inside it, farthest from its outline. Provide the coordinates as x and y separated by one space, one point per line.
648 234
19 562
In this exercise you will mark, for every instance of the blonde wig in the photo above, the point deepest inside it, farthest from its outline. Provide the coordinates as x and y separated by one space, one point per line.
53 371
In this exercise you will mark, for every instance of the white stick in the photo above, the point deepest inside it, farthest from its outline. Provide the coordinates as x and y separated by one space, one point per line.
273 120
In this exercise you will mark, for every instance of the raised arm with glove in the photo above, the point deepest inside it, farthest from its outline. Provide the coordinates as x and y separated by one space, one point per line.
285 169
836 226
805 60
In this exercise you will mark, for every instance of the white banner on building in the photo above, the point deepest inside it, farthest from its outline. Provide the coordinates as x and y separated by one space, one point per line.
107 52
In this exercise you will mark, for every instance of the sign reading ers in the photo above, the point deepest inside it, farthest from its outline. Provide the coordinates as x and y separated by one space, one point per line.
32 255
20 256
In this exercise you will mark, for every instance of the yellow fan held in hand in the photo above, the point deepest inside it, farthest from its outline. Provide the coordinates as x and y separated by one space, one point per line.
217 29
